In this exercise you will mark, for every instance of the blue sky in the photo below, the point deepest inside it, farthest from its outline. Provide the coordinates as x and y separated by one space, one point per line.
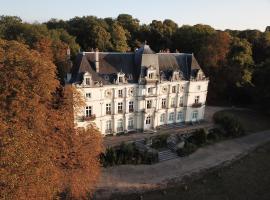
221 14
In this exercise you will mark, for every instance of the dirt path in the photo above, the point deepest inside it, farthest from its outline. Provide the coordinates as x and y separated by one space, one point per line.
131 178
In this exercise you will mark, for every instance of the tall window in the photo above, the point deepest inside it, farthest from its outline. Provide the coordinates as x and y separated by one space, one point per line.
163 103
130 123
151 90
173 89
149 104
121 79
88 111
120 107
120 125
198 87
171 116
150 75
173 102
162 117
108 126
131 106
87 81
108 108
120 93
88 95
197 99
180 116
195 115
181 102
148 120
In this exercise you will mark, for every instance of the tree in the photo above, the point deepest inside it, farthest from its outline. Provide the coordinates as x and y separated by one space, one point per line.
41 152
118 38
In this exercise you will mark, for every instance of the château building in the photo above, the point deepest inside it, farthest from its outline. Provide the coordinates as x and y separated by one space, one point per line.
138 91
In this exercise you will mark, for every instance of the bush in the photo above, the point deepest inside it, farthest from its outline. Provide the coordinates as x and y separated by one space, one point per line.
231 125
188 149
159 141
199 137
214 135
127 154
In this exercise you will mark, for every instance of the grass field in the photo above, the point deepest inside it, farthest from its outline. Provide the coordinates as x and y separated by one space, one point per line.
252 121
247 178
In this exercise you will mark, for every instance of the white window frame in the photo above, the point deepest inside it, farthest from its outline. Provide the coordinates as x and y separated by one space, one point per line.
180 116
130 123
120 107
149 104
148 120
173 100
171 116
163 103
108 108
88 95
197 99
162 118
131 106
108 126
87 81
120 127
88 111
120 93
195 115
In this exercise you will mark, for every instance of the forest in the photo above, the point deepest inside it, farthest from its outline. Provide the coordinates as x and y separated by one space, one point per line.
40 150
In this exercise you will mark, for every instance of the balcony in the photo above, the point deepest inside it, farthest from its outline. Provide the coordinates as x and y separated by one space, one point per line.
181 105
120 129
130 127
108 131
120 111
131 110
89 118
108 112
196 105
163 106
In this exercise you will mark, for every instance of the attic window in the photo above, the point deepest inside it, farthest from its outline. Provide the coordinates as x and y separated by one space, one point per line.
130 77
120 79
87 81
150 75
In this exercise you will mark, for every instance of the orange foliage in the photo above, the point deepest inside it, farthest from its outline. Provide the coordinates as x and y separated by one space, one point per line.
41 152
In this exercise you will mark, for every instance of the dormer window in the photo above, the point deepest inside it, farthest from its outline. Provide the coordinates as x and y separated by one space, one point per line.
87 81
120 77
150 75
175 76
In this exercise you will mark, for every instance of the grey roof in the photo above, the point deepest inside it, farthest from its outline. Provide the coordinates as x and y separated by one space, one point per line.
134 64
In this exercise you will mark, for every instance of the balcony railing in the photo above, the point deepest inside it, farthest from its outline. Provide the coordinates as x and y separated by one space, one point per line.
131 110
108 112
130 127
120 111
163 106
196 105
120 129
108 130
181 105
89 118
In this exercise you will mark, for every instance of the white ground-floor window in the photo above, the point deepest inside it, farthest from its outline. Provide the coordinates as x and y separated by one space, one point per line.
171 116
162 117
148 120
130 123
180 116
195 115
108 126
120 125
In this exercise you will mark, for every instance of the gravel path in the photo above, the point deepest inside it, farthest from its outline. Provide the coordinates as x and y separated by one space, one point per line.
131 178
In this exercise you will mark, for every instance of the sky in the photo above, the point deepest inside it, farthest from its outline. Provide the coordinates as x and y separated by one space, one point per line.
220 14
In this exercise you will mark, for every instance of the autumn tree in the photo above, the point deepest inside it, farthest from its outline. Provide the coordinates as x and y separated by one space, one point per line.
118 38
41 152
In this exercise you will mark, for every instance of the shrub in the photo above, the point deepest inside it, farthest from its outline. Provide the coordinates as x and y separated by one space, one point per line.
199 137
229 123
214 135
188 149
159 141
127 154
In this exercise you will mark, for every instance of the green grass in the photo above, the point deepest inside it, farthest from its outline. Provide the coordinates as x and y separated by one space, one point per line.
247 178
252 121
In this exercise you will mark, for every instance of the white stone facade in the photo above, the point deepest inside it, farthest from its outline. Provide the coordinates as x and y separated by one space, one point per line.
124 107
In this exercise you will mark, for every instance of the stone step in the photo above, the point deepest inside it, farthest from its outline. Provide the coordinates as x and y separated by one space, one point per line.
166 155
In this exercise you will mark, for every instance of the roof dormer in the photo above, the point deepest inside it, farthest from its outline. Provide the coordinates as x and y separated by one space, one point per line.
121 79
87 79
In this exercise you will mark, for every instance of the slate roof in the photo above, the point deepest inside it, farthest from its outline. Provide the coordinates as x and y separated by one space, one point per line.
110 63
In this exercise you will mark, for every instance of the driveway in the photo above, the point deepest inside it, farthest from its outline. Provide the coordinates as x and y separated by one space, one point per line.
131 178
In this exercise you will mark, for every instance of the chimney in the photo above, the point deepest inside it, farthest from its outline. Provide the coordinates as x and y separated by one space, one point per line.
97 60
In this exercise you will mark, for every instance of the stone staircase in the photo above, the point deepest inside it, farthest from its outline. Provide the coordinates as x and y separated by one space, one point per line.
166 155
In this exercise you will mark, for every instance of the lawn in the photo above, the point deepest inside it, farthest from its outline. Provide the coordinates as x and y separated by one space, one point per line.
253 121
247 178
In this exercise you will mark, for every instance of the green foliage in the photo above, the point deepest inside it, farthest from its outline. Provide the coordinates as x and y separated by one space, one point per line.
188 149
232 127
160 141
199 137
127 154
